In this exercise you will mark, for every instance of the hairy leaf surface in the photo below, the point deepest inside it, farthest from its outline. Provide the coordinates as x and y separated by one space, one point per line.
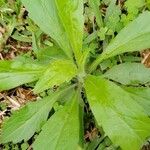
129 74
15 73
44 14
95 7
141 95
50 53
133 9
134 37
112 17
121 117
59 71
62 131
25 122
71 14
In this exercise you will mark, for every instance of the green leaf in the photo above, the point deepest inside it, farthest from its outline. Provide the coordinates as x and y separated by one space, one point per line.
92 145
58 72
14 73
97 12
112 17
63 129
20 37
148 4
141 95
129 74
45 14
25 122
50 53
71 15
122 118
134 9
2 2
134 37
91 37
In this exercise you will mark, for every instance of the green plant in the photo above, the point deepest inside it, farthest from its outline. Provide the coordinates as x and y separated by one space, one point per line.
119 107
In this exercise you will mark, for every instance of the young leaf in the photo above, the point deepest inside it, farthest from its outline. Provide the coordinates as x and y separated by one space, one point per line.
121 117
59 71
142 96
134 9
71 15
48 20
134 37
112 18
63 129
95 7
14 73
129 74
50 53
25 122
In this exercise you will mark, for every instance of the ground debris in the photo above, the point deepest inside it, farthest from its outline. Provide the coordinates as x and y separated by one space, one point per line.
14 99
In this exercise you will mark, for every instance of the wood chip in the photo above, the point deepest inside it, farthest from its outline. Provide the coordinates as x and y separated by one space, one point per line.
146 58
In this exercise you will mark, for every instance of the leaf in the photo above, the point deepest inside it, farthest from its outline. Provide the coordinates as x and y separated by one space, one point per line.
134 37
134 9
59 71
148 4
2 3
141 95
71 15
121 117
92 145
63 129
25 122
14 73
20 37
112 17
50 53
91 37
106 2
95 7
48 20
129 74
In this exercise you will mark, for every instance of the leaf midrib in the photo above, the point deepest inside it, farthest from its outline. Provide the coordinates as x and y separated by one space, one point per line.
130 128
28 120
67 117
109 52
